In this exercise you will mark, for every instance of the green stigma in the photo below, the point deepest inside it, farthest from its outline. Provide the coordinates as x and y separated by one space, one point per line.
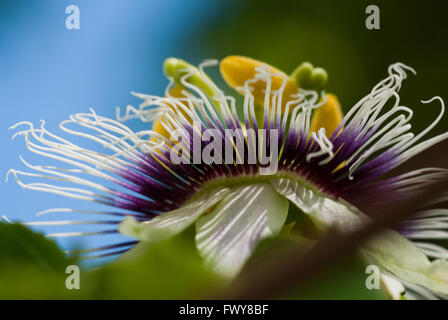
308 77
177 68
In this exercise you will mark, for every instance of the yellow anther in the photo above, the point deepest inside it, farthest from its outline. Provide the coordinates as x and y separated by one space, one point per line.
328 116
176 92
177 69
236 70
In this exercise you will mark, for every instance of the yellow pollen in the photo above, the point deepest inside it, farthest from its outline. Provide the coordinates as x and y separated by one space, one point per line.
176 92
328 116
236 70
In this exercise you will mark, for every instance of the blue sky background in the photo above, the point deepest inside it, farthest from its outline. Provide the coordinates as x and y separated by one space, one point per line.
48 72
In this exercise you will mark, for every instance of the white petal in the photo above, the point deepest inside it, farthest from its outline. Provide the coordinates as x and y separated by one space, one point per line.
392 286
173 222
227 236
322 210
390 249
401 257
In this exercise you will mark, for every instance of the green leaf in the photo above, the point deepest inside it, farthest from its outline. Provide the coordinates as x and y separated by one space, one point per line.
21 245
171 269
344 280
31 266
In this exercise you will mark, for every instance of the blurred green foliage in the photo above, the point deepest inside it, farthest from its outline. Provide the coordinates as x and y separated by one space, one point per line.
21 245
168 270
32 267
345 280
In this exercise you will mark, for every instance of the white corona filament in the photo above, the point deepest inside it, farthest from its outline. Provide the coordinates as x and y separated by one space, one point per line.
368 115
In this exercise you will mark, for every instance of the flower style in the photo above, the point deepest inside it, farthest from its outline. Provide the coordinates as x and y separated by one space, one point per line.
327 163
